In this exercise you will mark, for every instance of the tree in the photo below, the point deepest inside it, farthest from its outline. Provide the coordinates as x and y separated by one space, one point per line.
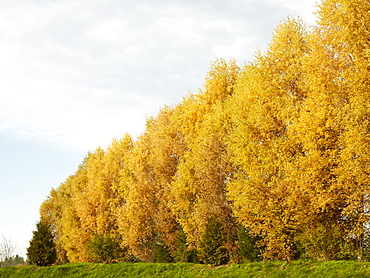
212 249
145 218
71 235
267 98
135 215
6 251
41 251
199 186
332 129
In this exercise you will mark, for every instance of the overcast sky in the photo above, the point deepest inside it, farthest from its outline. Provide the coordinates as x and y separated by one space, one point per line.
75 74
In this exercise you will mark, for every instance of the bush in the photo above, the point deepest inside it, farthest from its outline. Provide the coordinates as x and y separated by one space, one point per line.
250 251
326 242
105 248
161 253
183 254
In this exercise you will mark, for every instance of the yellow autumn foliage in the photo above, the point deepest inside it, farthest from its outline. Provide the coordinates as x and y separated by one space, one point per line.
280 146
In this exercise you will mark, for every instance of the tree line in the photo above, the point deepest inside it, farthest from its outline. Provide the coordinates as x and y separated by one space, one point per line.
268 161
6 253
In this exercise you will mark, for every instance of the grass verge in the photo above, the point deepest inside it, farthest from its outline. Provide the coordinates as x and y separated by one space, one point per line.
262 269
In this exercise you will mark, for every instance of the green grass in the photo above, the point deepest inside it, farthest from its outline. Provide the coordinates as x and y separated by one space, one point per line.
263 269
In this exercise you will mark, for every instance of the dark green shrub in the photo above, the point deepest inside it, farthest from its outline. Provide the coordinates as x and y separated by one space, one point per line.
161 253
250 250
105 248
41 251
183 254
212 249
326 241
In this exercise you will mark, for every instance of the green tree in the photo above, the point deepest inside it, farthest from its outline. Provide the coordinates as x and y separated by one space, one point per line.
212 249
250 250
41 251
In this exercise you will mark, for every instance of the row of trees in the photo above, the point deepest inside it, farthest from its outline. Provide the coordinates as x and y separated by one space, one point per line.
13 261
6 253
268 161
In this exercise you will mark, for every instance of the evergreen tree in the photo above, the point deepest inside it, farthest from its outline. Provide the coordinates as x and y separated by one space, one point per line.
41 251
212 248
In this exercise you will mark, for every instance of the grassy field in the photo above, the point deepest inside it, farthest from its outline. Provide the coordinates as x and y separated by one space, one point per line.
264 269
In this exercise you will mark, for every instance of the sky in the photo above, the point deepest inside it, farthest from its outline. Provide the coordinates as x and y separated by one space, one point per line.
76 74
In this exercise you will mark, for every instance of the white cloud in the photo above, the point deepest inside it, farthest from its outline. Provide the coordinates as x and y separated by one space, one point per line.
81 122
75 74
